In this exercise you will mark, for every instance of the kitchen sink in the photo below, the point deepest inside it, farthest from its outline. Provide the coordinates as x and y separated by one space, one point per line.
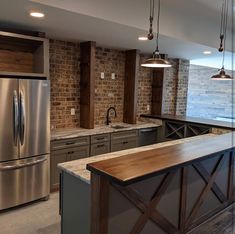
119 126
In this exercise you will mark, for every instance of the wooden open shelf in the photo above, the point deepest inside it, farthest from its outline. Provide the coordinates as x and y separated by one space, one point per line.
22 55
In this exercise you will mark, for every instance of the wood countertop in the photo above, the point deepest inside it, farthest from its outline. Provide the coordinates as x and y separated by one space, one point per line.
210 122
138 166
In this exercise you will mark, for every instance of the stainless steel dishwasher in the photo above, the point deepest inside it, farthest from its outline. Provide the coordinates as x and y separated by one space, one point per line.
147 136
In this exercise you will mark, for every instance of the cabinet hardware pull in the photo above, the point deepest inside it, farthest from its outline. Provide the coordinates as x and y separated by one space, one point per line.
71 152
70 143
100 138
125 142
99 146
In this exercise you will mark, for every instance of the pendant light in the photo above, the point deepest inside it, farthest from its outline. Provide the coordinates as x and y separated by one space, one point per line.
156 61
223 31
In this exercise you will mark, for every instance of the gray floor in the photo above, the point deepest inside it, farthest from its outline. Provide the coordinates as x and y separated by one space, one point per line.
37 218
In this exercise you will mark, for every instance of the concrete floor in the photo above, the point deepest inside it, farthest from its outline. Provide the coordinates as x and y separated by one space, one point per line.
36 218
43 218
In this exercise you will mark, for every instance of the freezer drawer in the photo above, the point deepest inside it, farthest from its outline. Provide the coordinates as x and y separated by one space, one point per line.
24 180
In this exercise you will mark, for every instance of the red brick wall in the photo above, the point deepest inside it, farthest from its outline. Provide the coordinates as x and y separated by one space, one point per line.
109 92
65 78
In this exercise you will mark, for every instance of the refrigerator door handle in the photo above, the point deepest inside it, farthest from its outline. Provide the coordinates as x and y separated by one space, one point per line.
15 117
18 166
22 118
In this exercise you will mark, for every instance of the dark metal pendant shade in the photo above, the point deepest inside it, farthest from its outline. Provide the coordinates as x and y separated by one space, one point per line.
156 62
223 30
221 75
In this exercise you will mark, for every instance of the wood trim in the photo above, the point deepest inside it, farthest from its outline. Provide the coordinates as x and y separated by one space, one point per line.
131 86
87 84
206 177
99 204
183 199
231 177
157 91
205 191
148 209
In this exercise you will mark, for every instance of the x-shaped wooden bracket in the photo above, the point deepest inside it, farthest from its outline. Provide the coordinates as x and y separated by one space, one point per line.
148 209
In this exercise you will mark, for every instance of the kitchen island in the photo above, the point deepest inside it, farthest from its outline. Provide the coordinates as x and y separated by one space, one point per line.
169 187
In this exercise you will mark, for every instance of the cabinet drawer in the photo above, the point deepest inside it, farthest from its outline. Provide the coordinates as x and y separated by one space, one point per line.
100 148
100 138
119 136
79 152
124 144
73 142
72 152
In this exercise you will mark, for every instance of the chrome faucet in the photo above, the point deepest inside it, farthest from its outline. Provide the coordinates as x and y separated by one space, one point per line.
108 121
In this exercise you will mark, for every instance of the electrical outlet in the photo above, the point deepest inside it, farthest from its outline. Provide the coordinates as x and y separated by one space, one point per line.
148 107
110 95
102 75
113 76
72 111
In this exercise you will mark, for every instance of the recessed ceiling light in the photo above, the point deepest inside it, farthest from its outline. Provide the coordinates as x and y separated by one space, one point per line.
142 38
37 14
207 52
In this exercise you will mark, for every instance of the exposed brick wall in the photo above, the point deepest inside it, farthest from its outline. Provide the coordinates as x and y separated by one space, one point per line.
64 77
208 98
65 91
182 87
109 92
175 87
169 88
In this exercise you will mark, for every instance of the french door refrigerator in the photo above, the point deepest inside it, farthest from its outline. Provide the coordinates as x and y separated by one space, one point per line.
24 141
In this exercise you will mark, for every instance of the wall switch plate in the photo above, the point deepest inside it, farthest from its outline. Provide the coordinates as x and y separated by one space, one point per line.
102 75
72 111
113 76
148 107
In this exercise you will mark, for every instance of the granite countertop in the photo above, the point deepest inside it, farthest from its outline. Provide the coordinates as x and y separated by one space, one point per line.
66 133
78 169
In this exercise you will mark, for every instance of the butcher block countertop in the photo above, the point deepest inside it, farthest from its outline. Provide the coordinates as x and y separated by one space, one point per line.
78 168
137 166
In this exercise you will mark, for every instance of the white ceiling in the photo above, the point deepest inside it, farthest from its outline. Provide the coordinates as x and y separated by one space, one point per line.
188 27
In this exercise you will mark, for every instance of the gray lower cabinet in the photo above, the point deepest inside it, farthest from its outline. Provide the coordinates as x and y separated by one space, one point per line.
100 144
124 140
64 151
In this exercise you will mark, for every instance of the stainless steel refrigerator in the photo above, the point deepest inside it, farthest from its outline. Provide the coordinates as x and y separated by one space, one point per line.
24 141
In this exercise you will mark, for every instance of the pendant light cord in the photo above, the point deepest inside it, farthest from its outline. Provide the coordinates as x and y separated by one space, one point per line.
151 17
223 29
158 26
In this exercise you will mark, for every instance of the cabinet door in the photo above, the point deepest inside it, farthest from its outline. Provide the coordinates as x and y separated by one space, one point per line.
56 158
78 153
